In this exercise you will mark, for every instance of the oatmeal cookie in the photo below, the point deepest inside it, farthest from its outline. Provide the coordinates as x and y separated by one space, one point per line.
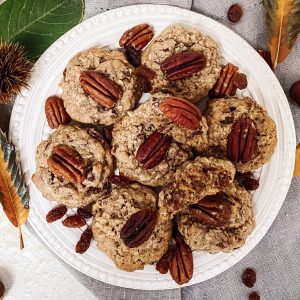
240 222
193 181
179 38
112 213
111 63
97 161
134 129
222 114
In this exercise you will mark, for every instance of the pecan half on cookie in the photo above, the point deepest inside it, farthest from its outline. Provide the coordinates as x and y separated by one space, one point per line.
212 210
183 65
152 151
138 228
137 37
66 162
181 112
242 141
101 88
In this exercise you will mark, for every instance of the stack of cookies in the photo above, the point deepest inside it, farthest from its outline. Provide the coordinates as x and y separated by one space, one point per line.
184 175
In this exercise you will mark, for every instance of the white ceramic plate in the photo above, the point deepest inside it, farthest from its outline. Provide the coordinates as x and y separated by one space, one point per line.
28 128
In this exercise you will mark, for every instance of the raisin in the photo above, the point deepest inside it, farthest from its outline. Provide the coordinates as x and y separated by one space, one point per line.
246 180
133 56
93 190
56 213
250 184
107 134
254 296
240 80
2 289
235 12
84 213
74 221
249 277
295 92
84 242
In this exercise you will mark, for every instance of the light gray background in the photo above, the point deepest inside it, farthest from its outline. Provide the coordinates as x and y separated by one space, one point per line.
277 257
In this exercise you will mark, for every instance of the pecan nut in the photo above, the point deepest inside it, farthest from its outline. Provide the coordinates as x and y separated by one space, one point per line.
181 112
138 228
242 141
56 213
66 162
100 88
212 210
229 81
162 266
74 221
55 112
84 242
183 65
181 264
152 151
137 37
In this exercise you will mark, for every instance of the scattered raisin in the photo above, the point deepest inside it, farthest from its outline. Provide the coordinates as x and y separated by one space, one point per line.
295 92
249 277
246 180
235 12
250 184
254 296
133 56
74 221
84 242
56 213
82 212
2 289
240 80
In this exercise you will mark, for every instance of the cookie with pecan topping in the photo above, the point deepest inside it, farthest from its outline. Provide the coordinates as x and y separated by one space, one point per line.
221 222
186 62
127 226
99 86
154 140
72 166
241 131
195 180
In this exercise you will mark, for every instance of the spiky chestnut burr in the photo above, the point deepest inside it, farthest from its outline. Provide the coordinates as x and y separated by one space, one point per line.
14 70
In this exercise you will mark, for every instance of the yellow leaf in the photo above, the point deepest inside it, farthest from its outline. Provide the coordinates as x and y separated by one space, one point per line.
297 162
283 19
14 195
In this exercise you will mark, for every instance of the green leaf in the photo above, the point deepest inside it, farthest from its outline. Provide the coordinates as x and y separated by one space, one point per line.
36 24
14 195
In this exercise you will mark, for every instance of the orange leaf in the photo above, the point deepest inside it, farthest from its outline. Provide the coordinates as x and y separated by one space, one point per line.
14 195
297 162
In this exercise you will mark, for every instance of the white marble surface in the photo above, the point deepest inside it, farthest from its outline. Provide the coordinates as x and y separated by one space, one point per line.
33 273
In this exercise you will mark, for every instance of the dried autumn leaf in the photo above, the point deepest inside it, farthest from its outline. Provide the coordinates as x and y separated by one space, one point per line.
297 162
283 19
14 195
